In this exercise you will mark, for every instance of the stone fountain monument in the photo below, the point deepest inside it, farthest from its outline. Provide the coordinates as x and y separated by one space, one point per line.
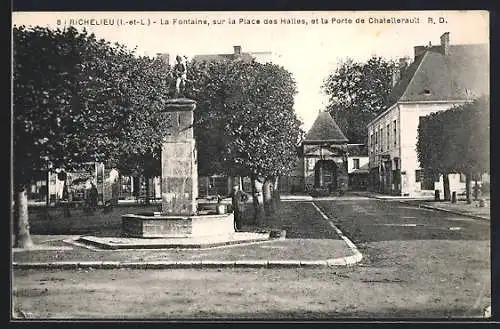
179 216
179 224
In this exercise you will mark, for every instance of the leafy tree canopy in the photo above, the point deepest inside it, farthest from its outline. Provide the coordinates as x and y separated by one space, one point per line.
244 123
357 93
456 140
79 99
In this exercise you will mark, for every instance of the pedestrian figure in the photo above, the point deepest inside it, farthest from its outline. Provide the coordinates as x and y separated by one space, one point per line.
476 191
93 194
180 70
239 198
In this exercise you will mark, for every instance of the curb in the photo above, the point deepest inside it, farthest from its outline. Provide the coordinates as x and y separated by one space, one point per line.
455 212
350 260
393 198
196 264
200 245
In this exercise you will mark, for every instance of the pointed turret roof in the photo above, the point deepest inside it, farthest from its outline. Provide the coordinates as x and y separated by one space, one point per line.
325 129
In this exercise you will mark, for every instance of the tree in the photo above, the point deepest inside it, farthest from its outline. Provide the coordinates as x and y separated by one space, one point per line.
209 82
473 136
357 93
246 110
456 141
78 99
147 165
431 150
149 87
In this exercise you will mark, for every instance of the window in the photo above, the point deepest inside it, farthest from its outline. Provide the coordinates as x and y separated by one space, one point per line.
395 133
462 178
382 139
312 163
388 137
355 163
418 176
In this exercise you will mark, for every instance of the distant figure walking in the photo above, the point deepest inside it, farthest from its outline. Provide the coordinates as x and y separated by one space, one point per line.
180 70
239 198
93 195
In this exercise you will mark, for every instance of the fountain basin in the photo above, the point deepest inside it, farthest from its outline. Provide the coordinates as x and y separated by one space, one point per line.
157 225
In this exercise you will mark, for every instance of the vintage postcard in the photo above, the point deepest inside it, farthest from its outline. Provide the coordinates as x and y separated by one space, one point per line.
295 165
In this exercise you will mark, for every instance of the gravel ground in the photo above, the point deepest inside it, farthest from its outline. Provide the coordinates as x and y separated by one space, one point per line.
358 292
421 271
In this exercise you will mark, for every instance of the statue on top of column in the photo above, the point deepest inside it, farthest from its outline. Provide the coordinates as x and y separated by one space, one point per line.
180 72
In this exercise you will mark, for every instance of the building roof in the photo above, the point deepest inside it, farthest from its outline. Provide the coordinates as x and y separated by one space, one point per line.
236 55
325 129
357 150
246 57
460 74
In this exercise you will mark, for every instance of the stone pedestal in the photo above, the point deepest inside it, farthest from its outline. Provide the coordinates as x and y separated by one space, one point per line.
178 162
179 171
160 226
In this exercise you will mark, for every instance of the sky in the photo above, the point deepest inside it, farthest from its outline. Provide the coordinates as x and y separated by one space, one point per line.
309 51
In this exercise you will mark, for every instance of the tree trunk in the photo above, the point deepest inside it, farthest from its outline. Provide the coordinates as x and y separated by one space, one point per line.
68 198
255 197
276 194
47 181
468 190
146 201
22 237
476 189
446 187
136 187
267 197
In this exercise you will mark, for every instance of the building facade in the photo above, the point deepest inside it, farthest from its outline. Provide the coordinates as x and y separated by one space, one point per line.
238 54
439 78
326 162
322 164
357 167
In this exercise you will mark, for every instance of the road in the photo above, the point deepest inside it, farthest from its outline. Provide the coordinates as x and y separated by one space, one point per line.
417 263
369 220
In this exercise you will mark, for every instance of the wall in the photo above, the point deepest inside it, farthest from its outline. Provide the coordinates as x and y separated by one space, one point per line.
363 161
384 152
410 114
375 150
455 184
265 57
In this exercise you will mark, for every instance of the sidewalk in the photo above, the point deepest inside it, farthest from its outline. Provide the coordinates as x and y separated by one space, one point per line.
62 252
296 197
298 249
459 208
390 197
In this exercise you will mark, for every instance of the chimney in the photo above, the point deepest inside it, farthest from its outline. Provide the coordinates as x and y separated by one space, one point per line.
165 57
419 50
403 64
396 75
445 43
237 50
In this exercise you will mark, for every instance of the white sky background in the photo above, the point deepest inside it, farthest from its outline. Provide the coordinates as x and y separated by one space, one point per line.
310 51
